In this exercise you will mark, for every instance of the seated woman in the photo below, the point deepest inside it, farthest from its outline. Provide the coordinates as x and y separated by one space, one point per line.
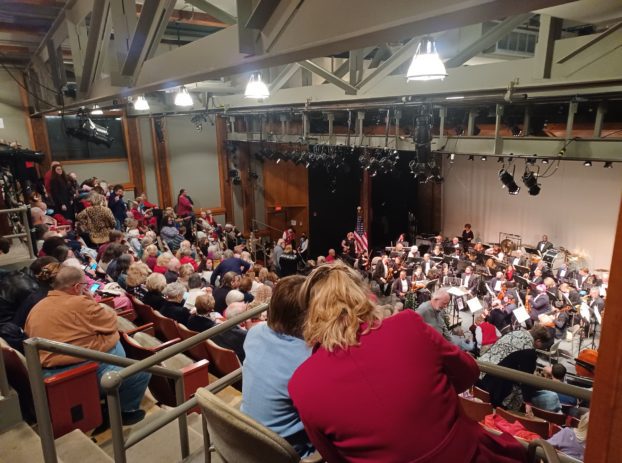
277 347
516 350
384 391
155 284
202 320
162 262
136 277
44 269
150 256
173 307
229 281
571 441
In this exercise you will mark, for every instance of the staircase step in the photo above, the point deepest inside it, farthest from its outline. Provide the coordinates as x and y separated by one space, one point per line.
161 446
20 444
77 447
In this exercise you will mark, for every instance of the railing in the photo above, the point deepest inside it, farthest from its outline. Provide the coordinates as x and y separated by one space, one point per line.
24 211
111 382
5 388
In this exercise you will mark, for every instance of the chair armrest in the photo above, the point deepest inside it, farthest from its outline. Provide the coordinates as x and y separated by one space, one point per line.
106 300
164 345
126 312
315 457
147 328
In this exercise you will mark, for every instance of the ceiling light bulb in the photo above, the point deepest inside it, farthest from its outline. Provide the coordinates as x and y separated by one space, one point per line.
426 64
141 104
608 165
96 111
587 163
256 88
183 98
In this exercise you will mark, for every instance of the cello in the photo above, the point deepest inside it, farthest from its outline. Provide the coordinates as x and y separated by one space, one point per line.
585 362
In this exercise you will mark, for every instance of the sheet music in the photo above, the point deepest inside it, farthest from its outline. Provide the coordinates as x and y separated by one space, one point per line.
474 305
498 286
597 315
585 311
521 314
455 291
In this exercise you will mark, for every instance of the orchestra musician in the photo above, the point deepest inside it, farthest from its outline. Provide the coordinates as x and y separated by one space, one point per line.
563 273
348 247
585 281
383 275
401 286
537 279
569 295
544 245
595 301
496 283
509 272
439 241
518 259
413 253
467 236
437 251
540 304
479 248
469 280
427 264
418 274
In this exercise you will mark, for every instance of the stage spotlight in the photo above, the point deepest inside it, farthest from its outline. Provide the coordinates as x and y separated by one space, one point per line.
484 158
471 158
608 165
545 161
516 131
531 182
451 158
500 160
587 163
508 182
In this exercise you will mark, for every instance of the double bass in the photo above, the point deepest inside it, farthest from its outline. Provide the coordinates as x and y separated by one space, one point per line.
585 363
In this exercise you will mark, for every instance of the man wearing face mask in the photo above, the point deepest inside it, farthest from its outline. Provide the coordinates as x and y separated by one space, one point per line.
69 314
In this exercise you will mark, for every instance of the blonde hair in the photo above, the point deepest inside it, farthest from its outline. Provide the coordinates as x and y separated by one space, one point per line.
185 271
204 304
156 282
338 303
263 293
137 274
164 259
150 251
581 429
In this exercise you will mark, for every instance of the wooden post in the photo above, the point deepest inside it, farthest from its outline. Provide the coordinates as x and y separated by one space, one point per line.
160 157
134 155
603 439
226 198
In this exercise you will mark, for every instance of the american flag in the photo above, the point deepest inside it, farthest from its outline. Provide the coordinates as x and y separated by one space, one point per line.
360 235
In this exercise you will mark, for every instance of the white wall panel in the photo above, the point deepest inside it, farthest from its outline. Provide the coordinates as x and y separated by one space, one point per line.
577 207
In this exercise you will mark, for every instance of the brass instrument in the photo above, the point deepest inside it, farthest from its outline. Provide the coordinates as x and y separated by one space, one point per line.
507 246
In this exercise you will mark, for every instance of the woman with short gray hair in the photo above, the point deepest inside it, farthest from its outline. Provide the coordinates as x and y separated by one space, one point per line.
173 306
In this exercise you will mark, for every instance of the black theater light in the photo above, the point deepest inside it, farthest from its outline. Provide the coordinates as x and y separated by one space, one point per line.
530 180
508 182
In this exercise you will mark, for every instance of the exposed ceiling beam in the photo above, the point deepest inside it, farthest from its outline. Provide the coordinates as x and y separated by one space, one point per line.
281 79
23 28
261 13
213 10
370 22
191 17
488 39
97 41
329 76
390 65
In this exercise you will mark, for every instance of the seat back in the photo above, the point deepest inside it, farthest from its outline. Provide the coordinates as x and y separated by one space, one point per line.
481 394
225 360
477 411
166 328
17 373
197 352
536 425
551 417
236 437
144 312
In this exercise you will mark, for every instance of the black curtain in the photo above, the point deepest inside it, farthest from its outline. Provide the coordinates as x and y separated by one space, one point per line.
333 198
394 195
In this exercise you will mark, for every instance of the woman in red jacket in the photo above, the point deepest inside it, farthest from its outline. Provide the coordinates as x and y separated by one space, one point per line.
385 391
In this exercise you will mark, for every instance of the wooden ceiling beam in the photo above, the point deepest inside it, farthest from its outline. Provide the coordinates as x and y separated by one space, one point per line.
194 18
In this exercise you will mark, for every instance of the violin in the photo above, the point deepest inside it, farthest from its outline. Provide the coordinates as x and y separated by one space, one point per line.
527 303
585 363
501 294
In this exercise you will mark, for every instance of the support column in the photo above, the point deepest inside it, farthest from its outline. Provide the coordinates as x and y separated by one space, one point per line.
550 31
526 121
226 198
572 110
248 202
600 118
134 154
160 158
603 440
471 123
442 113
498 139
331 128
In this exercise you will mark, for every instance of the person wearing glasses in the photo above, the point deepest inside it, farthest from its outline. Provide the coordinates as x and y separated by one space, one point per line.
384 390
69 314
432 312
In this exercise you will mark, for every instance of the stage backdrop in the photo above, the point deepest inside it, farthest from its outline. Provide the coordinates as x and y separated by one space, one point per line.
577 206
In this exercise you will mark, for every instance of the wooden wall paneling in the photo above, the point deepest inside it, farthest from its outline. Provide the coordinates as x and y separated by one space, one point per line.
286 185
134 155
226 195
160 156
248 203
27 120
603 438
41 141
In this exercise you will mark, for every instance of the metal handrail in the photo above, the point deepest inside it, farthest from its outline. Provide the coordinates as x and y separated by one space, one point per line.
111 382
5 387
533 380
539 448
24 211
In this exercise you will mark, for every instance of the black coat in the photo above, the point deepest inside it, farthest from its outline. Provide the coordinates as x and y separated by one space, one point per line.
232 339
175 311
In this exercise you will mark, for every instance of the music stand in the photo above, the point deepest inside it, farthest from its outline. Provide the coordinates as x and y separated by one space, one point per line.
532 251
521 281
521 269
455 294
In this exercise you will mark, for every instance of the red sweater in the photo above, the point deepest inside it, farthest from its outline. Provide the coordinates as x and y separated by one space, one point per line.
489 333
394 398
184 206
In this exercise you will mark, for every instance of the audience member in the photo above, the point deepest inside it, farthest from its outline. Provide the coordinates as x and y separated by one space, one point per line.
229 264
432 312
353 369
173 307
155 285
571 441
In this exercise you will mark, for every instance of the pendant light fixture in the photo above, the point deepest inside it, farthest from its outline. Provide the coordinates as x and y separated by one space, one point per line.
256 88
96 111
141 104
183 98
426 64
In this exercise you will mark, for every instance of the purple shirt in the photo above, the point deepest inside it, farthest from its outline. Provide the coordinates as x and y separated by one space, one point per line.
566 441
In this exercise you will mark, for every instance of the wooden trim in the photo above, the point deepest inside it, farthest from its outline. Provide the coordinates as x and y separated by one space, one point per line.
215 210
92 161
603 438
248 203
41 140
134 152
160 157
226 193
26 107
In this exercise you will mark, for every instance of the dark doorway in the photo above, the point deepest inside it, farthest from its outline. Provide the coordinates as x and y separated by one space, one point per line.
333 199
394 195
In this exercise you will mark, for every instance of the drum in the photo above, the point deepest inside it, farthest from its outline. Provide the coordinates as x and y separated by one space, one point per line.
551 255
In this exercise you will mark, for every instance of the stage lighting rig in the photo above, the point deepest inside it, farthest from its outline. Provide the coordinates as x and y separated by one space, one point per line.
530 179
508 181
89 130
